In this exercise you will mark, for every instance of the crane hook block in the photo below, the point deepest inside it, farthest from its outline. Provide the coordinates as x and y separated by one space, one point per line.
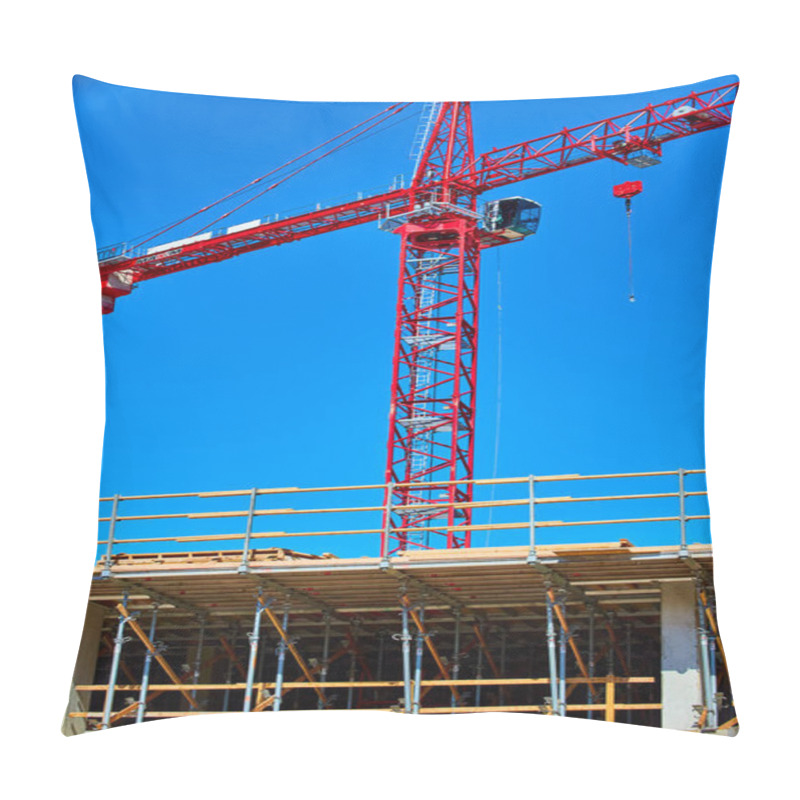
628 190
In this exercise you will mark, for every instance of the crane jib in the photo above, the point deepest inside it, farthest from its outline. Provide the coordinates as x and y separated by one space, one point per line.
634 138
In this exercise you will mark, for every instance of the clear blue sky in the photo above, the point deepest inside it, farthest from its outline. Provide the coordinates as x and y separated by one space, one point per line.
273 369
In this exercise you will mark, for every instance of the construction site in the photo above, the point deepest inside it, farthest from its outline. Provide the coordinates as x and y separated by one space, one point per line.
196 608
600 631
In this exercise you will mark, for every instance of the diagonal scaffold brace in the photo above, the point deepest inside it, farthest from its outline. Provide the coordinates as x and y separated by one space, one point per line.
309 676
570 639
440 665
162 662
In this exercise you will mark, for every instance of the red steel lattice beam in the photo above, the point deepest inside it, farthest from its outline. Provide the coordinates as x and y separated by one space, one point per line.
645 129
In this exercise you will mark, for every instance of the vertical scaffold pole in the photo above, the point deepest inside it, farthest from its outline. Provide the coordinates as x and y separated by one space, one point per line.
381 649
589 694
282 648
420 642
405 639
479 674
148 660
611 619
705 665
112 525
251 663
712 657
562 672
387 525
119 640
229 672
379 666
456 653
684 551
244 567
351 674
628 654
551 655
326 651
503 663
532 558
198 659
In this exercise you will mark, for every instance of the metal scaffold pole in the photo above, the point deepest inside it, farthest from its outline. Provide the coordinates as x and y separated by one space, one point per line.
351 673
589 693
709 693
326 654
420 642
148 660
229 672
456 653
251 663
551 654
479 674
532 558
609 623
198 658
244 567
112 525
282 648
562 673
119 640
628 658
405 639
715 700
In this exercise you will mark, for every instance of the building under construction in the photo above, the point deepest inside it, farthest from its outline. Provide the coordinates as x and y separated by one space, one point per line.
601 630
193 611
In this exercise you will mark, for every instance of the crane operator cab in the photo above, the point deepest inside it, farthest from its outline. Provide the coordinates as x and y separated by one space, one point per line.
512 218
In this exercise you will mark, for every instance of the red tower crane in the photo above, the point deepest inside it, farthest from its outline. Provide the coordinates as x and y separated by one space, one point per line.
442 233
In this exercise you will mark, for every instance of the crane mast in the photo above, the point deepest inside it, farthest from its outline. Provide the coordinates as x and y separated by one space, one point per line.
432 413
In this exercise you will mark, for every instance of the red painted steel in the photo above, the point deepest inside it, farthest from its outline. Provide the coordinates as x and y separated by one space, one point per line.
432 417
621 138
645 129
628 189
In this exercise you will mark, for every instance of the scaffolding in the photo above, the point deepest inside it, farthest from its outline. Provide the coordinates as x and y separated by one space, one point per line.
569 629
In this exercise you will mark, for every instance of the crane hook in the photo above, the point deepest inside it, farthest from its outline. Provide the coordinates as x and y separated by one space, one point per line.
627 191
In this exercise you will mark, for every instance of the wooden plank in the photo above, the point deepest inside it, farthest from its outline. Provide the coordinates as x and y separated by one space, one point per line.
476 481
610 684
123 713
302 683
536 709
482 709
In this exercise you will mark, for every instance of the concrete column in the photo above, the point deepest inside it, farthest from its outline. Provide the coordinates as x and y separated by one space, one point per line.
681 679
85 666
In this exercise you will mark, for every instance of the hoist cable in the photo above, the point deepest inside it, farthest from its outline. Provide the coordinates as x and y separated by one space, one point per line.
631 292
499 386
394 109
